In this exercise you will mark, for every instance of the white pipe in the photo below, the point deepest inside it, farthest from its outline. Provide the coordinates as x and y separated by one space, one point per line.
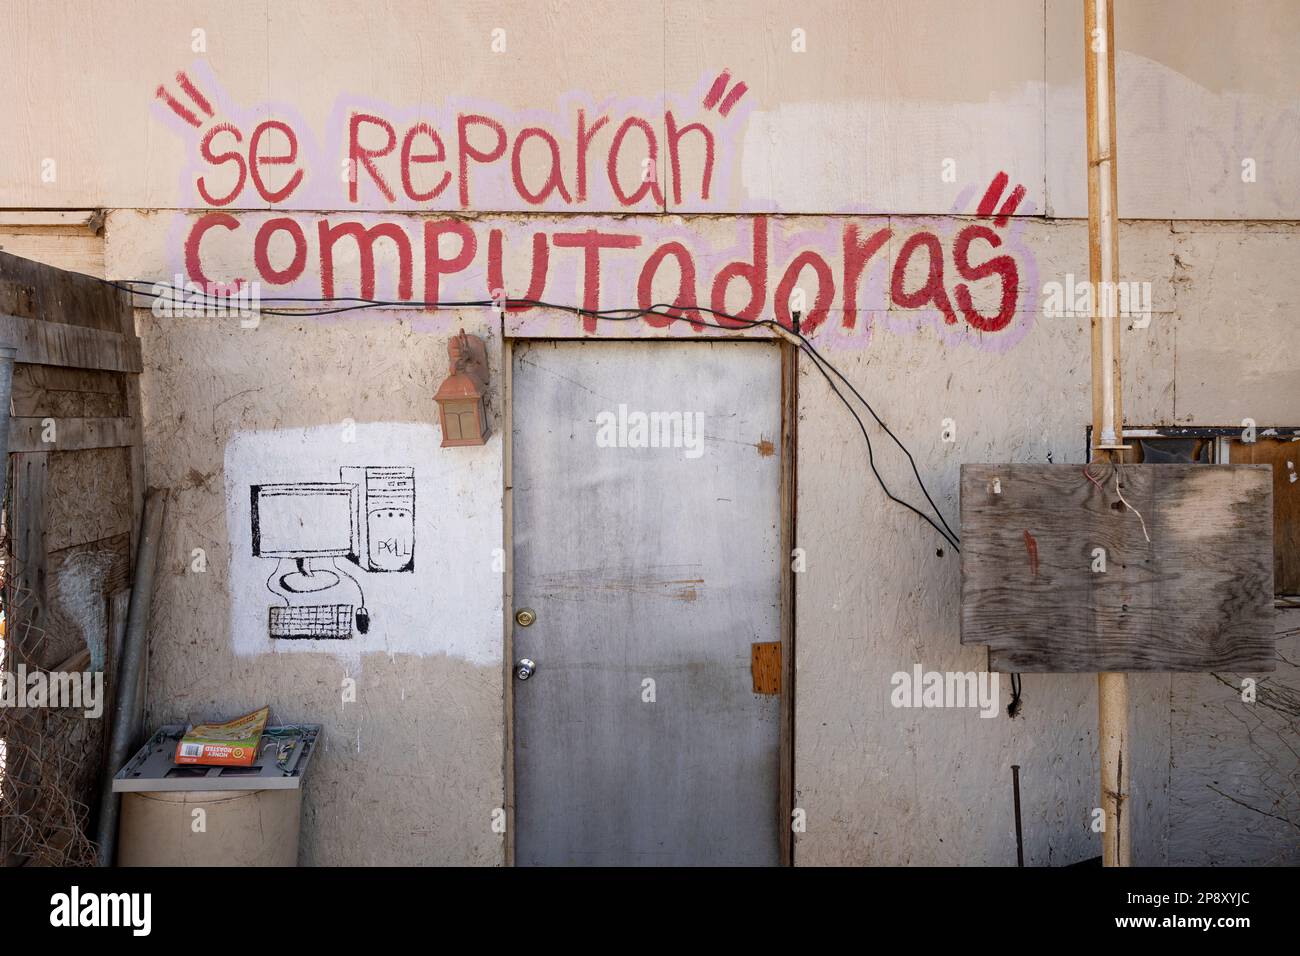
1103 243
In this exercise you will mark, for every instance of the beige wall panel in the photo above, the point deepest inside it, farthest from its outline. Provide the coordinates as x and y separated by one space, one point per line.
310 65
1237 336
73 249
1201 87
864 120
523 65
80 92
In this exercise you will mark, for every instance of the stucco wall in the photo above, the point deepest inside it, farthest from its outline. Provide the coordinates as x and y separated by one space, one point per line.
876 116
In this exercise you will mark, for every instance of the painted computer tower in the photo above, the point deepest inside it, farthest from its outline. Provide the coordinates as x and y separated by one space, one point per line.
384 534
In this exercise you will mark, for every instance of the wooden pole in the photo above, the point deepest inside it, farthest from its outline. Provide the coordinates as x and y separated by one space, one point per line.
1107 404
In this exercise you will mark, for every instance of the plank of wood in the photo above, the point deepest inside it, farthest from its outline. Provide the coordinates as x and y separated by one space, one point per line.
765 666
68 434
90 496
73 346
27 544
92 219
1284 458
41 391
789 518
68 247
1197 597
131 394
48 294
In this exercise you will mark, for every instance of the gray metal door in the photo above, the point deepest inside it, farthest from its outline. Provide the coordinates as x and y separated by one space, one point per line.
651 557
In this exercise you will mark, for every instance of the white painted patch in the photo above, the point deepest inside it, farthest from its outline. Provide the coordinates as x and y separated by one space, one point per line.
80 597
873 156
448 603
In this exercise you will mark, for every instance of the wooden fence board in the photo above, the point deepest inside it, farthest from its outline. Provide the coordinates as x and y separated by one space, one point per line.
41 391
69 345
73 515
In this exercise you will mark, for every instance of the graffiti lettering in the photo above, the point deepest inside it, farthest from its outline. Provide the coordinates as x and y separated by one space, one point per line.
964 274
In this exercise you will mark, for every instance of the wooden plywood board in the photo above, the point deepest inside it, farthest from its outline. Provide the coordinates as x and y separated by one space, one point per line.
68 344
25 595
1284 458
1197 597
68 434
765 666
89 496
76 248
41 391
33 290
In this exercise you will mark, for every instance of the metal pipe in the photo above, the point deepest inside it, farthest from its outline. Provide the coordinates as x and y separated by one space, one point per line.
1112 715
1107 404
128 676
1103 222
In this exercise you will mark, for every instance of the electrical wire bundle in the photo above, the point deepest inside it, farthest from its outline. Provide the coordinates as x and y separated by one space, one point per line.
342 304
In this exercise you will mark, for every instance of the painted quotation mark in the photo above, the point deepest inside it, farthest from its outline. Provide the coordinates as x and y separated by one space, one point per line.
179 108
991 197
717 90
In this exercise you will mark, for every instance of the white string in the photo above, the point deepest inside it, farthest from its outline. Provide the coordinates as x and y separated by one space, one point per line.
1130 507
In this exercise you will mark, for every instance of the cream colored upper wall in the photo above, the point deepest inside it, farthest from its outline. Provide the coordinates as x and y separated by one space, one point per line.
849 107
1202 87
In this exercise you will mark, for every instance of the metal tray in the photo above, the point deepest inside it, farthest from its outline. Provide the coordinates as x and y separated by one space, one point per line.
154 767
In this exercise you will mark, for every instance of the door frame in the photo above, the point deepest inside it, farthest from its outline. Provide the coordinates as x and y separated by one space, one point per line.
789 357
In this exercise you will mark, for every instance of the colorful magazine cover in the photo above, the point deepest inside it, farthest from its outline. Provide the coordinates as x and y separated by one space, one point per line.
231 744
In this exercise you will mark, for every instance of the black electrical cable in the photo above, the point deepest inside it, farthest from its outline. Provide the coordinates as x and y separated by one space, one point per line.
887 431
675 311
871 458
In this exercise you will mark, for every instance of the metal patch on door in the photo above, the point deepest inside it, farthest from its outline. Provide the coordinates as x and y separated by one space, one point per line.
765 665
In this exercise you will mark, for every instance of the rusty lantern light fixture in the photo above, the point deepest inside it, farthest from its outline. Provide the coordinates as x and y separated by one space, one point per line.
460 397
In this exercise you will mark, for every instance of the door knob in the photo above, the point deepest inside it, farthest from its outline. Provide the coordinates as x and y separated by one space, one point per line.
524 668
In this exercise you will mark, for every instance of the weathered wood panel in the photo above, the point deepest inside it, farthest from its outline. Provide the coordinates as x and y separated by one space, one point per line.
73 512
1284 458
67 239
1197 597
33 290
41 391
68 434
69 345
89 496
26 579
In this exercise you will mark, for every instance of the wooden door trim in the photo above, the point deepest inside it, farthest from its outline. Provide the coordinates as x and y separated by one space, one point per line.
786 535
508 586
